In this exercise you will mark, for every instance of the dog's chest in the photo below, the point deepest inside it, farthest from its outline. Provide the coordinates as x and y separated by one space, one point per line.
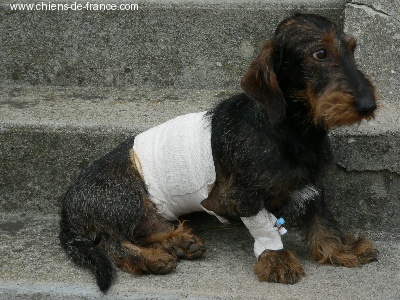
177 164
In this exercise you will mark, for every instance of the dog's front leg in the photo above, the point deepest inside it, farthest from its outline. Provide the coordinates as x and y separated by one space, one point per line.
329 245
274 263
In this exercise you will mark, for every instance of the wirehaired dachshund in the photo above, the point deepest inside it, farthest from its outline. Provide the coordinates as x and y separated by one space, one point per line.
254 156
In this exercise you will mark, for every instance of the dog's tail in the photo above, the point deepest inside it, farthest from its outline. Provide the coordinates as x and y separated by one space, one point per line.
86 252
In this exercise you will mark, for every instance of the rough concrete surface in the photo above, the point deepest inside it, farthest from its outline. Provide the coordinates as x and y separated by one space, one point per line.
33 266
185 44
376 24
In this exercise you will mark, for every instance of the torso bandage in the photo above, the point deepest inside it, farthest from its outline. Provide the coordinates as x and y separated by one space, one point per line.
177 164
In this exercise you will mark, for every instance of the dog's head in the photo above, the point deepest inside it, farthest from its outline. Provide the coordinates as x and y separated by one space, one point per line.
309 63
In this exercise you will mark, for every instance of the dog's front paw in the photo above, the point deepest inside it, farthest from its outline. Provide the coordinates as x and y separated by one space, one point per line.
345 251
280 266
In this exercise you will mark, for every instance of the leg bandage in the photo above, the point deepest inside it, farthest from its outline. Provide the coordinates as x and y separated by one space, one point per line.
266 235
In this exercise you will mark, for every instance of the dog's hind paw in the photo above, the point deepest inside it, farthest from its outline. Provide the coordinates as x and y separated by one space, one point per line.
151 260
157 261
188 248
181 241
279 266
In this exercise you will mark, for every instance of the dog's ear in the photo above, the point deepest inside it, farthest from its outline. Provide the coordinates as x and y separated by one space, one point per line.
261 84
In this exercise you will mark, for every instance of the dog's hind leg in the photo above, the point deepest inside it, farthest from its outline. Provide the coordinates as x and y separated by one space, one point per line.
157 251
136 259
108 221
174 238
158 256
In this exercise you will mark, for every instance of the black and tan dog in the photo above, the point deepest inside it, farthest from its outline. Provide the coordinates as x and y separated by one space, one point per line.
269 152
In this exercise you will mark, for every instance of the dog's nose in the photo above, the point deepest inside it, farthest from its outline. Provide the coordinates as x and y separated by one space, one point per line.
365 106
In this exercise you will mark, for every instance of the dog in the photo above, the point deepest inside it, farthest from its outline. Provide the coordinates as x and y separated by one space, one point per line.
256 155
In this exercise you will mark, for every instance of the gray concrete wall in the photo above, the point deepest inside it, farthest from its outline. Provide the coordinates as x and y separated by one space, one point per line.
376 24
184 44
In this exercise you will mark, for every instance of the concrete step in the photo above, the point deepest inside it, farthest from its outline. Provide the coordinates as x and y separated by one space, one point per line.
48 134
33 266
124 72
185 44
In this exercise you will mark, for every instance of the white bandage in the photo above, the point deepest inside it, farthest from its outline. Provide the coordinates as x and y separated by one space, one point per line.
177 164
262 228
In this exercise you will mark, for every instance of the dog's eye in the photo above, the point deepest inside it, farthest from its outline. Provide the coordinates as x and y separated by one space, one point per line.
320 54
